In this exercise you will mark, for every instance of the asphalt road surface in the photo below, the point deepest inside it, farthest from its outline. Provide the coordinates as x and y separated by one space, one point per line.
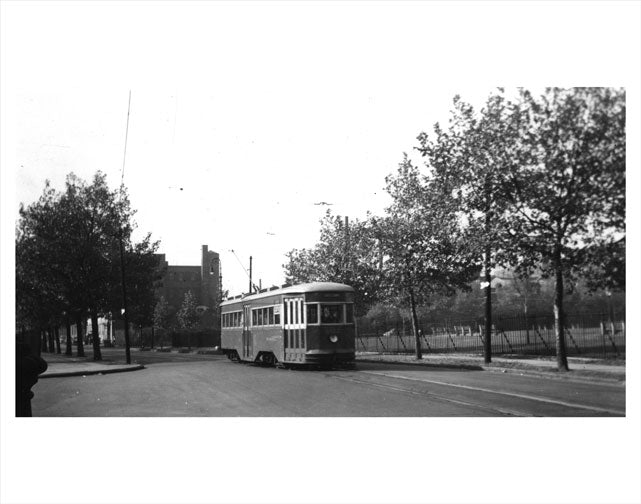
207 385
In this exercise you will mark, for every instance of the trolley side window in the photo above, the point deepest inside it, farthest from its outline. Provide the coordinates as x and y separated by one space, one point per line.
312 314
232 319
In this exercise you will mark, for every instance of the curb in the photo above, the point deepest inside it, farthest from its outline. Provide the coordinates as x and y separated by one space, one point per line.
61 374
569 376
543 373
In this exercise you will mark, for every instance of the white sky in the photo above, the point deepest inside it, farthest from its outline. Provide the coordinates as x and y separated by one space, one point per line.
259 110
247 126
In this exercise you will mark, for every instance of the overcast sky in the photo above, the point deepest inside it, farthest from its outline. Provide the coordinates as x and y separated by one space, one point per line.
248 165
249 128
245 115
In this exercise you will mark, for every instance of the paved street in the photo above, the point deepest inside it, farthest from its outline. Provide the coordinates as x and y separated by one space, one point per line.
174 384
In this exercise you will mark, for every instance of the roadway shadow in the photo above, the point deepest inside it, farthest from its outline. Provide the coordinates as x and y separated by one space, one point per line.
431 366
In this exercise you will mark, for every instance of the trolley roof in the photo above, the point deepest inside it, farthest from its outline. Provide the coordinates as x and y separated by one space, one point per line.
293 289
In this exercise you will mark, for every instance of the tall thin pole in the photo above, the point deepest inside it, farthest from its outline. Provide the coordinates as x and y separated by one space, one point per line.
124 301
122 254
124 155
348 258
250 274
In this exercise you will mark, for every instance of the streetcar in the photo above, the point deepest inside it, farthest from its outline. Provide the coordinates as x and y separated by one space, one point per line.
309 324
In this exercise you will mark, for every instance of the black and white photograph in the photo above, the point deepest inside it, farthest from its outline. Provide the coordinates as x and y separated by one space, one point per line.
324 252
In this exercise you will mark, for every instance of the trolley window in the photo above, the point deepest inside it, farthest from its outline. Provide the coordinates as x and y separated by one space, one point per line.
331 313
312 314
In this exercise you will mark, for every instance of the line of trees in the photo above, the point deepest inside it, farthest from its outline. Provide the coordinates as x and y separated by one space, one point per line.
532 183
68 261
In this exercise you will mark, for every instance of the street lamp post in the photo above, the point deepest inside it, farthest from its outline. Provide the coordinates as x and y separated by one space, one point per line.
124 301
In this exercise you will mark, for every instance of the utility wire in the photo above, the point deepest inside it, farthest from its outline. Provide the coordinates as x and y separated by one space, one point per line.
240 262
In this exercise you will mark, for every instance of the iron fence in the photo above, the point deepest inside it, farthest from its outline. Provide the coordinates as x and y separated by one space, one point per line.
588 334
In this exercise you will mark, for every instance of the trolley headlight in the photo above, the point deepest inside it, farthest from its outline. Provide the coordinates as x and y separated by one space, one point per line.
333 338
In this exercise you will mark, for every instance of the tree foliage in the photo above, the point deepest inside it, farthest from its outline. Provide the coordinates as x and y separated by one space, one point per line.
426 250
533 183
67 255
187 316
469 160
567 189
347 252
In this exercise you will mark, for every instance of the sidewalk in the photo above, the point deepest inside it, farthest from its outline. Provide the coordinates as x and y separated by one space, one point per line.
581 368
64 365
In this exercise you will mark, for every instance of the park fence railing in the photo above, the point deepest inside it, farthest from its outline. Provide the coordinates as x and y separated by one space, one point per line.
590 335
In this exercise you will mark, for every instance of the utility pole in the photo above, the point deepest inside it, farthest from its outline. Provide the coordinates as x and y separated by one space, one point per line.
347 252
250 274
122 254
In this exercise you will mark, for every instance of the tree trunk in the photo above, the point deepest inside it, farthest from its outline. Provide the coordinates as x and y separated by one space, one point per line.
559 314
487 345
43 336
50 337
527 326
79 332
68 350
95 337
152 337
57 333
417 338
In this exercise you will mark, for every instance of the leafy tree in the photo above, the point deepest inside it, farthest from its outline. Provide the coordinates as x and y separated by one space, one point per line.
426 253
347 252
568 186
39 298
187 316
90 222
161 314
143 271
468 161
67 255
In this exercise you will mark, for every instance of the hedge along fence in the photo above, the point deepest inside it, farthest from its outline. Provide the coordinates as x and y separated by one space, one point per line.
198 339
144 337
584 335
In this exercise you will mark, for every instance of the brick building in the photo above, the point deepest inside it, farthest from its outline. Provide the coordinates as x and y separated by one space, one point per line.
203 281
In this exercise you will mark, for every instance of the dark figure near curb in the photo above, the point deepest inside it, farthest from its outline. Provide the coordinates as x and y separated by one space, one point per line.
28 367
